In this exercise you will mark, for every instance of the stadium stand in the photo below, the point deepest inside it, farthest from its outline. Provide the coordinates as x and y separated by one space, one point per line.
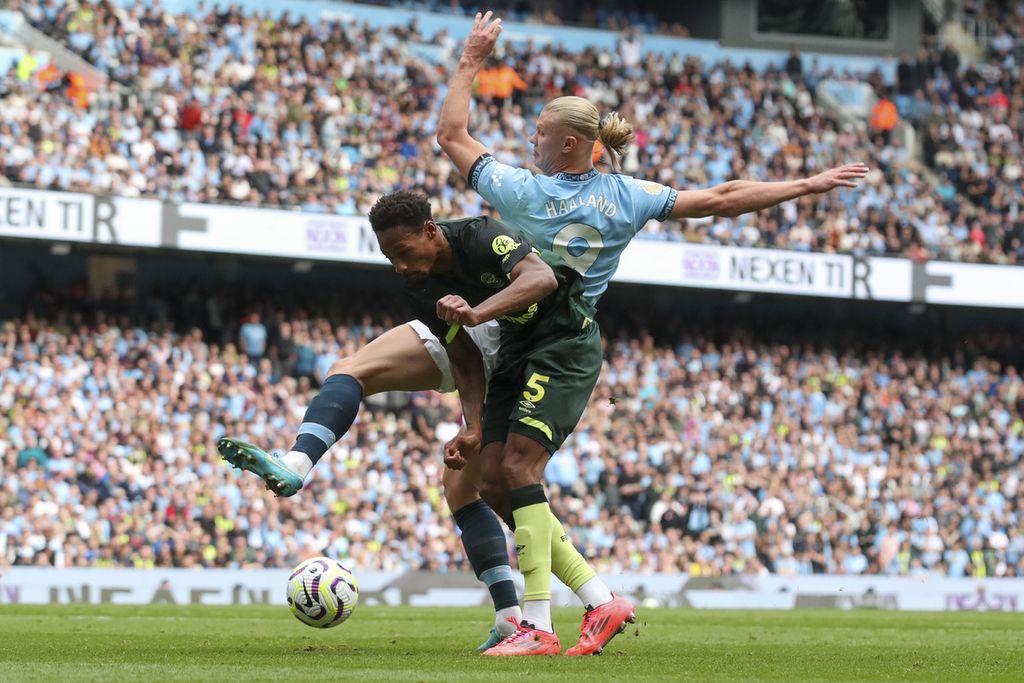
235 107
708 454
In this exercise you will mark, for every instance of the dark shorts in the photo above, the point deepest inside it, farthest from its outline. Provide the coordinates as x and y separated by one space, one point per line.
540 387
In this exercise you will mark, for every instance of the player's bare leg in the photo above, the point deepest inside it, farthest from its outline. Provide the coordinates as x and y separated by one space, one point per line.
395 361
493 487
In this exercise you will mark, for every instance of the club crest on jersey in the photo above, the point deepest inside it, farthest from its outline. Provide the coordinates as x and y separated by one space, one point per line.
491 280
503 244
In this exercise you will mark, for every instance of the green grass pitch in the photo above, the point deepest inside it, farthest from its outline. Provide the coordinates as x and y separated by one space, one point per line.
184 643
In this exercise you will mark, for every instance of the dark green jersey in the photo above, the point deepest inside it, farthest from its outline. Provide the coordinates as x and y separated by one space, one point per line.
550 356
485 252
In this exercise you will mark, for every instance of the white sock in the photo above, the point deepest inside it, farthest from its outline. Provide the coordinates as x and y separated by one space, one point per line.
594 593
298 462
501 620
538 614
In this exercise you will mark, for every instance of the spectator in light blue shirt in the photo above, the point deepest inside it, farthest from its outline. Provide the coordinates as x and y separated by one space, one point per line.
563 468
253 337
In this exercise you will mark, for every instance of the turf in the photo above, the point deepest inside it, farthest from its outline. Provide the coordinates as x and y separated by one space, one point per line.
183 643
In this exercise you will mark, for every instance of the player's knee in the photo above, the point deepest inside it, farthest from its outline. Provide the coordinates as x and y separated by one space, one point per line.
355 367
459 491
522 465
345 366
492 490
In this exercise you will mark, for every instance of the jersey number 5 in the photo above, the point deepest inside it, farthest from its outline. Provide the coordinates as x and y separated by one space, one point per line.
534 384
579 245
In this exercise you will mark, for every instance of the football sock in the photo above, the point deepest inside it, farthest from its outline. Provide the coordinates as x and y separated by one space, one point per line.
298 462
501 622
573 570
484 542
594 593
533 545
537 614
329 416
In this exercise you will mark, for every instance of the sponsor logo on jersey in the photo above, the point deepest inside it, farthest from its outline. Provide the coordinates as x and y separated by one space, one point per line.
523 317
527 405
503 244
492 280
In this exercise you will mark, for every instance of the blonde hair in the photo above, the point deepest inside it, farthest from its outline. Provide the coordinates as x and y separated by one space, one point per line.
581 116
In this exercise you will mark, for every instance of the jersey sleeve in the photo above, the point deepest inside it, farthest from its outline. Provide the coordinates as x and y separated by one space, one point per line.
422 302
505 187
497 247
650 200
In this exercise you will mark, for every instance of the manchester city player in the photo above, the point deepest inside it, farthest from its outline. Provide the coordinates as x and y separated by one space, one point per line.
585 216
570 202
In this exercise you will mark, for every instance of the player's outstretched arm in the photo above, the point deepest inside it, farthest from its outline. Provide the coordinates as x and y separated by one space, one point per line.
468 372
743 196
453 124
532 280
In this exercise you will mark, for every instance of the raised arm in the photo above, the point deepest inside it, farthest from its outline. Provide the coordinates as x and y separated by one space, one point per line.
743 196
453 124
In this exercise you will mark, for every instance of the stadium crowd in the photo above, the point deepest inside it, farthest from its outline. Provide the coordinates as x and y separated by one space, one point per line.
704 455
227 106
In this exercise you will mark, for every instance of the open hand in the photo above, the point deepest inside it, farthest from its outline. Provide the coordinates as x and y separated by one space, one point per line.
841 176
482 38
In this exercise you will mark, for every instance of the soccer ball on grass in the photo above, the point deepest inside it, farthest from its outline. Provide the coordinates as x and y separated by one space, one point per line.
322 593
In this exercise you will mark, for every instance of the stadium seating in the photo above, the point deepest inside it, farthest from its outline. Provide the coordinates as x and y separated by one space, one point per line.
707 458
325 117
710 457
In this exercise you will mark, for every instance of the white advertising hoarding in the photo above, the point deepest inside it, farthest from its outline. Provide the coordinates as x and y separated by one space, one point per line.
972 284
33 585
77 217
771 271
270 232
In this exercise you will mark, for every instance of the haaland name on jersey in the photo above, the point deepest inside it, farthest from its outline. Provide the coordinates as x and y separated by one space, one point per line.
586 218
603 206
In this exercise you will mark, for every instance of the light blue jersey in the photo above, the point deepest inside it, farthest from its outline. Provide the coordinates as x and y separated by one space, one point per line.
586 218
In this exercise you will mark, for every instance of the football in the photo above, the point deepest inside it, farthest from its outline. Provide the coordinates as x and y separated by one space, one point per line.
322 593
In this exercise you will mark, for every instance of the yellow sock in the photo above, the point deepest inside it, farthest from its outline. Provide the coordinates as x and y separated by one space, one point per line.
567 563
533 540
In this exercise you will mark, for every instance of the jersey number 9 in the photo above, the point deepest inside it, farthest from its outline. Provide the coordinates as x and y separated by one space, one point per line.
579 245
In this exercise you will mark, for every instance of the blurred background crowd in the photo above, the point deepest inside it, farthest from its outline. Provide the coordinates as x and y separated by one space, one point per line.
705 453
705 450
234 106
